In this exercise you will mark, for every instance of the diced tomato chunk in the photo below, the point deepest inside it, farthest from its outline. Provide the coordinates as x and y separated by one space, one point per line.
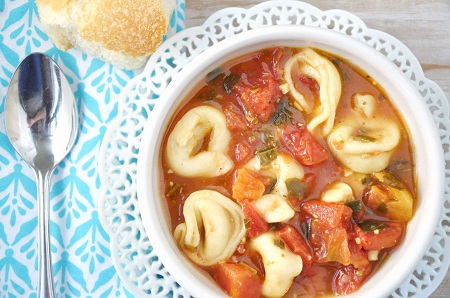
333 214
302 144
242 151
349 279
296 243
329 244
263 64
261 100
328 235
247 185
388 236
256 223
235 119
314 281
258 88
358 256
238 280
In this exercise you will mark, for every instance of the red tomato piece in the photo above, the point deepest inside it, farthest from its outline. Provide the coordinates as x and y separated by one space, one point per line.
242 151
302 144
332 214
313 281
382 238
296 243
247 185
235 119
348 280
256 224
238 280
258 88
358 256
263 64
260 100
329 244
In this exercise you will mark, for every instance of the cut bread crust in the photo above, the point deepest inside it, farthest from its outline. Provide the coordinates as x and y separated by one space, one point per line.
121 32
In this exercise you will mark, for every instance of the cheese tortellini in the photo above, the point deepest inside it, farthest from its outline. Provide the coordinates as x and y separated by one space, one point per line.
183 143
323 71
213 227
280 264
364 144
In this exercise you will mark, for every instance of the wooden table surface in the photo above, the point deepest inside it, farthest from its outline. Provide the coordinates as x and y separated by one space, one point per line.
422 25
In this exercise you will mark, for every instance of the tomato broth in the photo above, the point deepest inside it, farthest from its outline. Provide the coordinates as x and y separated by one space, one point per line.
344 221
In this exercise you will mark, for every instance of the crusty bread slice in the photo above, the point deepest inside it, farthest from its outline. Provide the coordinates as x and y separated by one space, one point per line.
121 32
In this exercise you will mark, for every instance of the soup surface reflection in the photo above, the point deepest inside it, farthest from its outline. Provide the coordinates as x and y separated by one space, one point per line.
288 172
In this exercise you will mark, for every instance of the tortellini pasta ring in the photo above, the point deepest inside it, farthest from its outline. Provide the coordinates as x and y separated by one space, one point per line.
368 152
323 71
191 130
213 227
280 265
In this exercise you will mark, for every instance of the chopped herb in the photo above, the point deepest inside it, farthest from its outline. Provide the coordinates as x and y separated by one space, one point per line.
392 181
208 95
283 114
175 190
279 243
296 188
336 61
346 76
213 74
266 137
364 138
370 226
355 205
402 166
383 208
230 81
266 155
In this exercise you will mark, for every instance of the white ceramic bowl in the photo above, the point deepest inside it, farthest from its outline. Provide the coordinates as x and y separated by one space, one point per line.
424 136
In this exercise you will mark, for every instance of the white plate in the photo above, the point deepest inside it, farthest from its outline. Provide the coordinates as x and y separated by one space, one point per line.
132 253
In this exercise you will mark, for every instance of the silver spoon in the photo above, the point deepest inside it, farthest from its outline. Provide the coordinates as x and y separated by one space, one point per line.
41 121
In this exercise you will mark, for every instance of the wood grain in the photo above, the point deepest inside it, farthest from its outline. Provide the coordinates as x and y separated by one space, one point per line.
422 25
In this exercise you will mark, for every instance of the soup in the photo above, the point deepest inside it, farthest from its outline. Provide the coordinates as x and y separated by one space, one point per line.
287 172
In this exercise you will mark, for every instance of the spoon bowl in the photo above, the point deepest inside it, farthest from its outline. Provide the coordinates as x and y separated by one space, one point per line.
41 122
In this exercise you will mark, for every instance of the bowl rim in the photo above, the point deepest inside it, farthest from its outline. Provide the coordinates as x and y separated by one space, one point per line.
293 35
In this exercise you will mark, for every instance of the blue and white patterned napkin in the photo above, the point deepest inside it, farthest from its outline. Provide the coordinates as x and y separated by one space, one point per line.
82 264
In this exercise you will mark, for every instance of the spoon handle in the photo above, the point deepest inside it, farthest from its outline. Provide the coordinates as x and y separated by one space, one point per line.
45 273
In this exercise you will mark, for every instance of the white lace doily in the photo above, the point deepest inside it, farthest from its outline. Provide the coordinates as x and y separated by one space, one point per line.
134 259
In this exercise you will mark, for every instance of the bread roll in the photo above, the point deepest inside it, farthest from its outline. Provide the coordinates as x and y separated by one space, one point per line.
121 32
